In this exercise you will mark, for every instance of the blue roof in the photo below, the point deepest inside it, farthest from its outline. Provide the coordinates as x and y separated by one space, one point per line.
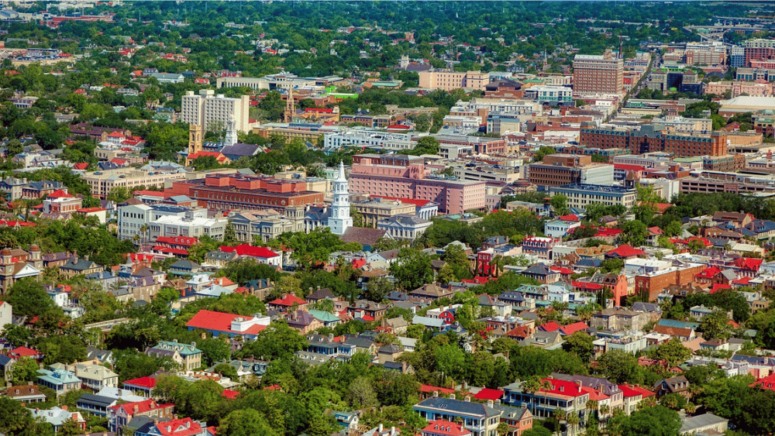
679 324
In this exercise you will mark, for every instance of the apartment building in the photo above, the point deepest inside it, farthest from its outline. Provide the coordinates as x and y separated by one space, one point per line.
759 49
603 74
194 223
564 169
133 218
451 80
652 138
103 182
378 209
674 274
207 108
404 176
581 195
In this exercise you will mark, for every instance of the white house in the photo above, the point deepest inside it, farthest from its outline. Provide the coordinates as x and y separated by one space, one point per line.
561 227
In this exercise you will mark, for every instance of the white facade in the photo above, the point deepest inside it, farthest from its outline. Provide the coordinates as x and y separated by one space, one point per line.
6 314
131 219
193 224
370 139
205 108
339 220
559 228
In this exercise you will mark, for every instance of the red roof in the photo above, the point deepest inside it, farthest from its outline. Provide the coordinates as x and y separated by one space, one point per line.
24 352
273 388
477 280
142 382
168 250
249 250
625 251
319 110
81 166
398 126
562 270
655 230
709 273
59 194
627 167
367 318
220 322
747 263
573 328
359 263
586 285
571 217
428 389
405 200
144 406
550 326
138 257
16 223
116 135
288 300
217 155
718 286
767 383
187 241
180 427
741 281
489 394
445 428
90 209
562 387
230 394
594 394
633 391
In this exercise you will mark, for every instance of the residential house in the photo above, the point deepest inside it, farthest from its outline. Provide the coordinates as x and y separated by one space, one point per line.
674 385
302 321
441 427
219 323
27 394
367 311
61 381
178 427
79 266
119 415
707 423
542 273
286 303
57 416
618 319
95 376
431 292
519 419
567 396
190 356
480 419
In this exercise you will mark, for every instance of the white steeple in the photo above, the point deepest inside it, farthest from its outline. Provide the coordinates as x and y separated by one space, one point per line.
339 220
231 133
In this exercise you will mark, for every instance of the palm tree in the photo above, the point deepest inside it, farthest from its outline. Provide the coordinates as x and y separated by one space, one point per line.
144 230
531 386
559 415
573 421
604 409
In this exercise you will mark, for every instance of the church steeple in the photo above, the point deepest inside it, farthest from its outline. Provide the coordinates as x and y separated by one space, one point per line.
339 220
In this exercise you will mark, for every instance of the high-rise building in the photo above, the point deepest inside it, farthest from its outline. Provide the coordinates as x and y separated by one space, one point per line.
598 74
207 109
339 220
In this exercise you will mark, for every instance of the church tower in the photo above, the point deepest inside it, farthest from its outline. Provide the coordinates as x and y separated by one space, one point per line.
195 139
231 134
290 107
339 220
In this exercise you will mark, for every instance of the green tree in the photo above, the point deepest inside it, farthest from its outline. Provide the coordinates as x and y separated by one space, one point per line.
412 269
715 325
559 203
653 421
245 422
24 370
278 341
581 344
377 288
673 352
634 233
361 393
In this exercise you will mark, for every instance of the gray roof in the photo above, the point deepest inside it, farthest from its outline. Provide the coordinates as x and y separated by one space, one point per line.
699 422
239 150
458 406
95 400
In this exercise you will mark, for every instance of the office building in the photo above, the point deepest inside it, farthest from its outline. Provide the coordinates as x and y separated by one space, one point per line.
103 182
581 195
603 74
401 176
563 169
736 56
215 111
451 80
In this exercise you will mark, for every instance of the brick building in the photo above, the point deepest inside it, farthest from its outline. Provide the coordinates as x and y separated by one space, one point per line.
649 139
602 74
728 163
759 49
565 169
656 281
232 191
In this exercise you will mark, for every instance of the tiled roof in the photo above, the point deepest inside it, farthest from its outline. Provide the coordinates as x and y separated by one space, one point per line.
573 328
288 301
445 428
489 394
625 251
142 382
142 407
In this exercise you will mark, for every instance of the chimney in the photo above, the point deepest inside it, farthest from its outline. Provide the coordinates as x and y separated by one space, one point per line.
489 403
64 408
451 396
468 398
380 428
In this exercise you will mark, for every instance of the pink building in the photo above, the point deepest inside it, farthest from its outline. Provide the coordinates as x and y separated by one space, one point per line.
406 177
758 88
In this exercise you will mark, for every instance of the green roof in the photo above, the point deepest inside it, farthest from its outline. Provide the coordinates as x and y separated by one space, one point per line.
324 316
